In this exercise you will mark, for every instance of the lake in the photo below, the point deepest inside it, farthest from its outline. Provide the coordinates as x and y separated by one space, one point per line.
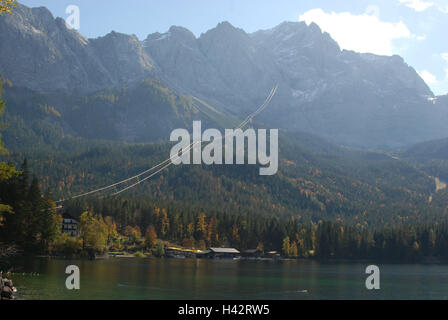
134 278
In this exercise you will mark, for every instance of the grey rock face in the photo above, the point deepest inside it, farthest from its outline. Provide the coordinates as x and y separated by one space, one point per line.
181 63
248 73
357 99
41 53
361 100
123 57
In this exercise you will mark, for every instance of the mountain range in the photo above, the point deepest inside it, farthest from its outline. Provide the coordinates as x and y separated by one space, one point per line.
359 100
89 112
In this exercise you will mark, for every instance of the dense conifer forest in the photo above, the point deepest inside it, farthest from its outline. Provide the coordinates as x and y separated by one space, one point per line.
326 201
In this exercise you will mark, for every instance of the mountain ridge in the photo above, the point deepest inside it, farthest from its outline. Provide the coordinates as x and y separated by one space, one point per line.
360 100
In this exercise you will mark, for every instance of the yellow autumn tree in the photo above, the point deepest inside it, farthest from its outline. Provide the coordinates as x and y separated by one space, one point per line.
150 237
6 6
286 246
164 223
293 250
93 231
210 232
133 233
111 229
201 226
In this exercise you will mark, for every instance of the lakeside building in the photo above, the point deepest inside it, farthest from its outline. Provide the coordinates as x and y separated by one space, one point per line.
251 253
70 226
273 255
178 252
222 253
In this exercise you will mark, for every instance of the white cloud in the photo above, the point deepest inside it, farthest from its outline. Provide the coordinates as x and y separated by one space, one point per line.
417 5
428 77
362 33
422 5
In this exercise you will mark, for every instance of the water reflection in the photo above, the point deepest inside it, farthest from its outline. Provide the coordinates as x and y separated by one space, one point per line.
225 279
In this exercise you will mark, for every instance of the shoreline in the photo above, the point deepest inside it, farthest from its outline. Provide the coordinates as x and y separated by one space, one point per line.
423 261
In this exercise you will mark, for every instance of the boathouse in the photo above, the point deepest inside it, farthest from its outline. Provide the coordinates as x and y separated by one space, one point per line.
223 253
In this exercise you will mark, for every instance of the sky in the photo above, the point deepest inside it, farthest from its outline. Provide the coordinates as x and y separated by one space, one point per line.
413 29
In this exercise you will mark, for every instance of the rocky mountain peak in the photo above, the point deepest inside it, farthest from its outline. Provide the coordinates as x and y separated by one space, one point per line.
176 34
225 26
352 98
123 56
43 54
224 31
297 35
182 32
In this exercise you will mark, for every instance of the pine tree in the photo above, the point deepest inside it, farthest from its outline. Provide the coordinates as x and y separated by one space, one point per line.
24 179
34 196
6 171
2 125
49 223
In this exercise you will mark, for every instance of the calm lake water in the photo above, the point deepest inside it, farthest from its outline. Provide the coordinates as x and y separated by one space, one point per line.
220 279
